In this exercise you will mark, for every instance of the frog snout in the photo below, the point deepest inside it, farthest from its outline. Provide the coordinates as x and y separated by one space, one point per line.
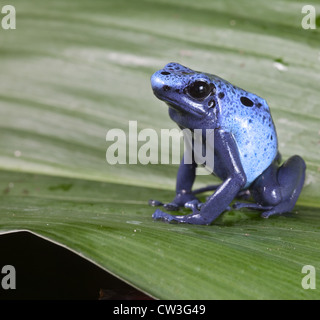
172 76
156 80
160 83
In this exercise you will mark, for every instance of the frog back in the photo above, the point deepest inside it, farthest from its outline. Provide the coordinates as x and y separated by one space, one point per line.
247 116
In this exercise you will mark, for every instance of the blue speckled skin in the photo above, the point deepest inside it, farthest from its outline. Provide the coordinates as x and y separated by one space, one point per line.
245 145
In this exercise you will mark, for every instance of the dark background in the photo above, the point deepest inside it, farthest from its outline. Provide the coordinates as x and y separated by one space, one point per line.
45 270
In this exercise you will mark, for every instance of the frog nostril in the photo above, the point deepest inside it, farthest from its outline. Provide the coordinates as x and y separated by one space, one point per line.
166 88
165 73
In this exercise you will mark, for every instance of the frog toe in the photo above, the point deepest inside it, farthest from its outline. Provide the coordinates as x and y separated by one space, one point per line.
158 214
168 206
193 205
267 214
155 203
171 206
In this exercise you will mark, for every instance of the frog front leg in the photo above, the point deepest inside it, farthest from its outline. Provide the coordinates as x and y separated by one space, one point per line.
218 202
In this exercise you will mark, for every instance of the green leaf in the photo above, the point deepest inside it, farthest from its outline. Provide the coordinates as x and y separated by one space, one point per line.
72 71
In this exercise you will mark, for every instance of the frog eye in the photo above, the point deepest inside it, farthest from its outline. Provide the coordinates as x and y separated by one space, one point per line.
199 89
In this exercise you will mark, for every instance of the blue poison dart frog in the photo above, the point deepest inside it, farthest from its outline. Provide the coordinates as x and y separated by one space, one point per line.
246 156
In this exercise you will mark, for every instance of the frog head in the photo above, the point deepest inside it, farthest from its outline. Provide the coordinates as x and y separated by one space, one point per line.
190 95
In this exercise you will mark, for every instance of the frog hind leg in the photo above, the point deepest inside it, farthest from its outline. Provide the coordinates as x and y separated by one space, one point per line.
242 194
278 188
255 206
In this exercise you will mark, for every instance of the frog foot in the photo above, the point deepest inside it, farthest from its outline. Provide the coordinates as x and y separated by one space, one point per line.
168 206
267 210
193 218
192 204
